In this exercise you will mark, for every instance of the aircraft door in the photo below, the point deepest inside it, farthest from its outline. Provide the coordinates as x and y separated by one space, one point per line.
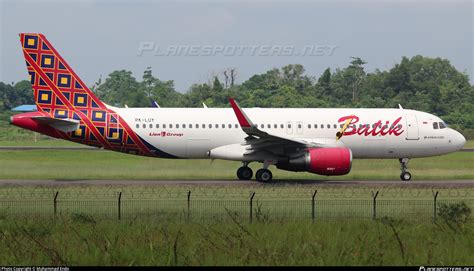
289 127
412 127
299 127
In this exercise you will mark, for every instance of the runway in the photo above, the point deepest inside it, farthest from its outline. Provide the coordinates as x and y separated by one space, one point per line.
338 183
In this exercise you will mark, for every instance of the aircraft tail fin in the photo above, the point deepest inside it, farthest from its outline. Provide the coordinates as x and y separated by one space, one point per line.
56 87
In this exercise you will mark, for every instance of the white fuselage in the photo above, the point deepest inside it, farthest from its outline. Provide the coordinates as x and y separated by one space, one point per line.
193 132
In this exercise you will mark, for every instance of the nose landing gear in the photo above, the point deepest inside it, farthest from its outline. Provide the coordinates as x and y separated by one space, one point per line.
405 175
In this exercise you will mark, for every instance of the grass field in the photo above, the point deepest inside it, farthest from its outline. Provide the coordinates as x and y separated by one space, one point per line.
85 241
61 164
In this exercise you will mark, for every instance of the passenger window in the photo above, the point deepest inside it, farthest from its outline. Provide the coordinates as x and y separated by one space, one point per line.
223 125
282 126
262 126
341 125
144 125
435 125
230 126
329 126
309 126
289 125
217 125
269 126
210 125
335 126
164 125
190 126
177 126
184 126
157 126
315 126
275 126
322 126
151 126
299 126
399 126
138 125
236 125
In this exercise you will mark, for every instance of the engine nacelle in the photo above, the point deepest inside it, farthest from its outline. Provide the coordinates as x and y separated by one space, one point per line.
322 161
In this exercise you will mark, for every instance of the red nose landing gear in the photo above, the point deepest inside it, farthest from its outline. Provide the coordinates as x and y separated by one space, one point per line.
405 175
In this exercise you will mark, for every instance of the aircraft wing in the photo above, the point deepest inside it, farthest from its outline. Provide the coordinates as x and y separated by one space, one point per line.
259 140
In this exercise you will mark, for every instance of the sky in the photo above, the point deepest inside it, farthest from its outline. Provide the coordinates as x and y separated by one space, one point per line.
191 41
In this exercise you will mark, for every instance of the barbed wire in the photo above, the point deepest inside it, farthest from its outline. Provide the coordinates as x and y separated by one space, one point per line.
225 192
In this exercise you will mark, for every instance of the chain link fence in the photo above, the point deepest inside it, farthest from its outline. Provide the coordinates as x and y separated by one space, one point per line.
217 204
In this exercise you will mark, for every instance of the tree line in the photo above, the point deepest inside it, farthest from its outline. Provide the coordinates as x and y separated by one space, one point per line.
428 84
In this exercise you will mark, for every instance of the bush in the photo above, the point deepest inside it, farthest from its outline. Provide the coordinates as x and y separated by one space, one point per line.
456 214
83 218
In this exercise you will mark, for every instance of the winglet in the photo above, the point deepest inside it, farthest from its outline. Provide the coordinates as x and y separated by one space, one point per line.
244 121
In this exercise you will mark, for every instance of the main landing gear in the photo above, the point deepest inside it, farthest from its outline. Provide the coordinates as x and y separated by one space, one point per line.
405 175
263 175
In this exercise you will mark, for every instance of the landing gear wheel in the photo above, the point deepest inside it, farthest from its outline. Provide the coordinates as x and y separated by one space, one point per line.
264 175
405 176
244 173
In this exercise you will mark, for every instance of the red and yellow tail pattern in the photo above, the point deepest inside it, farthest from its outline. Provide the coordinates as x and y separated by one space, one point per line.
55 84
60 94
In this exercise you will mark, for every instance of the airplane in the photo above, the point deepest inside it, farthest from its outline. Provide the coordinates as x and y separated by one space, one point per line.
323 141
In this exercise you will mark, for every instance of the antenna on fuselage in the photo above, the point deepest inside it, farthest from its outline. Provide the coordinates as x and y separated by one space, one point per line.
400 106
204 105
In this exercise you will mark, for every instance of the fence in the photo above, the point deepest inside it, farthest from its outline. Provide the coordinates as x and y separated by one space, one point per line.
257 206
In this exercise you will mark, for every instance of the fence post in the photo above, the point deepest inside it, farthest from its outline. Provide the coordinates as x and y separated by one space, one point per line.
119 205
312 205
55 203
434 206
251 203
374 197
189 205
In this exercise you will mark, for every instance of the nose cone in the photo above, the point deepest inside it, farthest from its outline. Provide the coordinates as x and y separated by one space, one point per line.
459 140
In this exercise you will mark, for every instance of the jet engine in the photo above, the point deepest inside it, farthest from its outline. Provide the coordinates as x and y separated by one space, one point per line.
322 161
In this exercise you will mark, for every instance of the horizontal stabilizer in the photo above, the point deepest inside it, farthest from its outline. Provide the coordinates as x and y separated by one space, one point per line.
65 125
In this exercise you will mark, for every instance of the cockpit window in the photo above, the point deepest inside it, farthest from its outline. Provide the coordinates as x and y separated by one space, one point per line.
435 125
442 125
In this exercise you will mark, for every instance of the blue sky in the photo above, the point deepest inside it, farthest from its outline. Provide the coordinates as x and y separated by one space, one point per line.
97 37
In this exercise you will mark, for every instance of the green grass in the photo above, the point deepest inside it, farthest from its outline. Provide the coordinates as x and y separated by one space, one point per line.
469 144
84 240
61 164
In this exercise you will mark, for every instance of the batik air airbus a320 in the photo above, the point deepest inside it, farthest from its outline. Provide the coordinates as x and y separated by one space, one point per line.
320 141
